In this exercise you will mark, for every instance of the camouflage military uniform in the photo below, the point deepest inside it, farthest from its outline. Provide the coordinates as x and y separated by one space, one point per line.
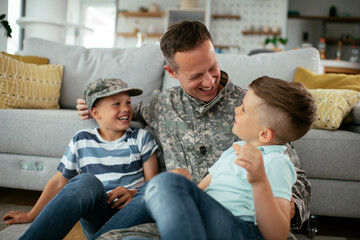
194 134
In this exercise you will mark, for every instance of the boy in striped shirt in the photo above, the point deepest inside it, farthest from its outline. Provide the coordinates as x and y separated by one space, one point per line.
100 171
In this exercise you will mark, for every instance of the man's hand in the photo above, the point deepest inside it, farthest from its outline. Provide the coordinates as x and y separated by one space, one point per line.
13 217
182 171
83 110
123 195
250 158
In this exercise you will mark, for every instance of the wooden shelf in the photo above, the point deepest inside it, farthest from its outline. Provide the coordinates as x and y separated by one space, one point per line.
325 18
141 14
227 46
261 33
134 35
335 40
222 16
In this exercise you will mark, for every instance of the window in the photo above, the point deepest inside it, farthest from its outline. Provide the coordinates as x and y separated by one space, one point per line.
99 16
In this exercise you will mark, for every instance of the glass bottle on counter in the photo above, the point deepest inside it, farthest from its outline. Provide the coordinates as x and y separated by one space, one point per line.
322 47
354 54
338 51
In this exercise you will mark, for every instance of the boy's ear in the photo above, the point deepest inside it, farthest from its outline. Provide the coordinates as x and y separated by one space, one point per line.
94 112
266 135
170 71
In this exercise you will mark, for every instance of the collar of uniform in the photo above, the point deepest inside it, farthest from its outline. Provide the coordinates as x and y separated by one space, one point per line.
201 106
267 149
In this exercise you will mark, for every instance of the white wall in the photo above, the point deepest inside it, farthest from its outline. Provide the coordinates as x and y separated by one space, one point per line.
3 37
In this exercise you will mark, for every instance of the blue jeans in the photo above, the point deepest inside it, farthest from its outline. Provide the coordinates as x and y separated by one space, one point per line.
134 213
183 211
83 198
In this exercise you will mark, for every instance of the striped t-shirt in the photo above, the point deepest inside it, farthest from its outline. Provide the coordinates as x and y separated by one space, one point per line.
114 163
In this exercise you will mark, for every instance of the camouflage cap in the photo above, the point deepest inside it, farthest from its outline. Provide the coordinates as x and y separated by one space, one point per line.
105 87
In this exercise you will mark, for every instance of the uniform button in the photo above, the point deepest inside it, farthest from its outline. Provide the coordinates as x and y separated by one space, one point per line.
203 150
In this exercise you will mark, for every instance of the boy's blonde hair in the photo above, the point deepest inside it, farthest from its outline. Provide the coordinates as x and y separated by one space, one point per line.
289 109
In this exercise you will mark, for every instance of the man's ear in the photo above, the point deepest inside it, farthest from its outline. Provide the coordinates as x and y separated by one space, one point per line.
266 135
170 71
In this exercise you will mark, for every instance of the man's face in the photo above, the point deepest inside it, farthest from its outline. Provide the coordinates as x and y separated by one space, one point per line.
198 72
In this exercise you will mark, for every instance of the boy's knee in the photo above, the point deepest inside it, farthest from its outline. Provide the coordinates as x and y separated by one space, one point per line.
86 181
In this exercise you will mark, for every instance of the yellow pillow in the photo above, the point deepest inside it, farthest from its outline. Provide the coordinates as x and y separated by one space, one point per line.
327 81
28 59
24 85
333 105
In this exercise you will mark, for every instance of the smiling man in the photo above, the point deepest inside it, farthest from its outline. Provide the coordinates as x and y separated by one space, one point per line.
194 121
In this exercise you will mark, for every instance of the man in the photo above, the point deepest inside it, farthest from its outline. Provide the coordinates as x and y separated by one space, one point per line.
194 122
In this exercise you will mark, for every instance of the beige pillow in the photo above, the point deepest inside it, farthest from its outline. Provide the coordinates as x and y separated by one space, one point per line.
333 105
24 85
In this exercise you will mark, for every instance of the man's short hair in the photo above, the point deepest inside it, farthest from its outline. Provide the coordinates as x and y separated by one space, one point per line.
289 109
181 37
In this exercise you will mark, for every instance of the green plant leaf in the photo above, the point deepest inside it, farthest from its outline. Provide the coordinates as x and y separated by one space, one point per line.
7 27
267 41
2 16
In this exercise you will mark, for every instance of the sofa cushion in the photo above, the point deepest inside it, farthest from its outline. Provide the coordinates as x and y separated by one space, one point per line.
333 105
242 69
25 85
142 68
328 80
330 154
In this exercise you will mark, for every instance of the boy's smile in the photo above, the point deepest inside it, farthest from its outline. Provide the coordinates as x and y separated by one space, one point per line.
113 115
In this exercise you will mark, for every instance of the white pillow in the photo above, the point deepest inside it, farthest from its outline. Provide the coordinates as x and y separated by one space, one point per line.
139 67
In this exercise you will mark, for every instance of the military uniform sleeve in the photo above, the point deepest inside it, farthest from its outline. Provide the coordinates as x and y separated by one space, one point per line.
301 191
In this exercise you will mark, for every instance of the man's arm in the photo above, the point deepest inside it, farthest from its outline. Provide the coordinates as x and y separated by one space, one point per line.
301 191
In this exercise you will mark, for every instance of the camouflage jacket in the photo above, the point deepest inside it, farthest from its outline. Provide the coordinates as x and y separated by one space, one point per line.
194 134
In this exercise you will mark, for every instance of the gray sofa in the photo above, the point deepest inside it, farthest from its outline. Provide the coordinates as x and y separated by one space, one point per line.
33 141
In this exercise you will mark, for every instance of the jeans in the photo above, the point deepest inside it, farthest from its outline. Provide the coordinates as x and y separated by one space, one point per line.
134 213
183 211
83 198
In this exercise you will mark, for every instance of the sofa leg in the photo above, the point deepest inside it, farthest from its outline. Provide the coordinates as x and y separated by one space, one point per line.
312 227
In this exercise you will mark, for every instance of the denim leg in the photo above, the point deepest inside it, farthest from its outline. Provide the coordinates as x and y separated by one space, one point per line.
83 196
134 213
183 211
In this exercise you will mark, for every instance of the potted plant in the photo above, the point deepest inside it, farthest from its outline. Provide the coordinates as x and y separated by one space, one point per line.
5 24
275 40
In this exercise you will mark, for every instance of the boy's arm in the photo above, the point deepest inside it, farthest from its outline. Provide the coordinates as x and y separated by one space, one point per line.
53 187
151 167
272 214
125 195
205 182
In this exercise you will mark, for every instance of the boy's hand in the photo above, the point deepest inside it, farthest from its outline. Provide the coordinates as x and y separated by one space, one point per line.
83 110
123 196
250 158
13 217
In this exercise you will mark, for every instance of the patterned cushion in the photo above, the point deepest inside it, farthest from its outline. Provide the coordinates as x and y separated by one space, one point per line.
25 85
333 106
28 59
